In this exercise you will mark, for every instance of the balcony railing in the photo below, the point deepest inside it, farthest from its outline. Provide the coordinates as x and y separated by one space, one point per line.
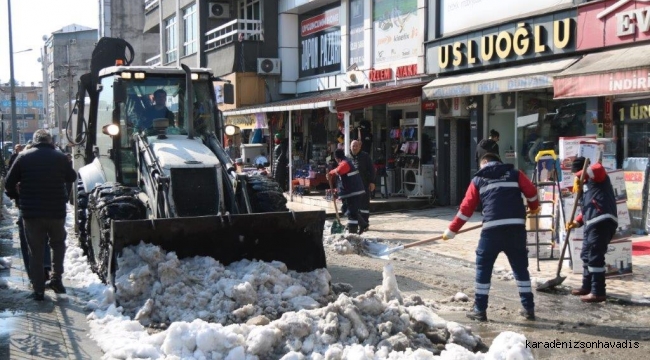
235 30
150 4
153 61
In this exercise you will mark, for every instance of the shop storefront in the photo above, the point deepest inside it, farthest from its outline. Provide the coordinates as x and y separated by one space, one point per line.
515 100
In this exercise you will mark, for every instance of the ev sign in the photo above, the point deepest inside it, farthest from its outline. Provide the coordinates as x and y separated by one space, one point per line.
615 21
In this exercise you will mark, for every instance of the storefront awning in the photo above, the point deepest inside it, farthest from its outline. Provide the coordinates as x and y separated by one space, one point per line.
614 72
524 77
338 101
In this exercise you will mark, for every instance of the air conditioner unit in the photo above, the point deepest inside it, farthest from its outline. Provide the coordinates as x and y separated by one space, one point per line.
219 10
73 41
268 66
418 183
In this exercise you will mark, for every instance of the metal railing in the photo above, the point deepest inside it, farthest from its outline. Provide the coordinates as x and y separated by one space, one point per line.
235 30
150 4
153 61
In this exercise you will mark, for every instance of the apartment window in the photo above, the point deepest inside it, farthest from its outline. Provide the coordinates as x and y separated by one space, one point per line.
251 10
171 53
190 30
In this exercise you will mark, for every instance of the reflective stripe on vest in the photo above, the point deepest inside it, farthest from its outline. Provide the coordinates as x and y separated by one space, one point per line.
352 173
352 194
506 184
600 218
482 289
493 223
462 217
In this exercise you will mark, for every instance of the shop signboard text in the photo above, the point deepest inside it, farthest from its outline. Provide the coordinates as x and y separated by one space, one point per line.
528 39
602 84
397 34
320 42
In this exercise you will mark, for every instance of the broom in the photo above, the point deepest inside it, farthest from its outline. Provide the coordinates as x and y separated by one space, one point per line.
337 227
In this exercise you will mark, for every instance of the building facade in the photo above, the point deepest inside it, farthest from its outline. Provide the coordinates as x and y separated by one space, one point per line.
67 56
29 110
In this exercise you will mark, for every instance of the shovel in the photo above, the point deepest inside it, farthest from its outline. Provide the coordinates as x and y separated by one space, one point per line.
558 280
381 251
337 227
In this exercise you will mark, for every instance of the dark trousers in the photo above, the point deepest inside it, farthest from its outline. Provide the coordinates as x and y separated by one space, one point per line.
354 219
364 206
37 231
511 239
24 248
594 248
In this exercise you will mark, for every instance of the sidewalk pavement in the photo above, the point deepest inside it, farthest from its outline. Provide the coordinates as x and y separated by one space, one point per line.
55 328
411 226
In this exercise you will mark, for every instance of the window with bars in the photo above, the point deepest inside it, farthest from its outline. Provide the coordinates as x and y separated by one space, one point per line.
250 10
190 30
171 48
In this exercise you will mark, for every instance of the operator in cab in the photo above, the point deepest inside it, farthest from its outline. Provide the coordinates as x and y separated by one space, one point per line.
158 110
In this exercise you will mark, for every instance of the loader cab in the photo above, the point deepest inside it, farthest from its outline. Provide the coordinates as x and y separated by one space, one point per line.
134 99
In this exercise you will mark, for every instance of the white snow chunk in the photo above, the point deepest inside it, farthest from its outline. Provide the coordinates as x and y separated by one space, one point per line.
261 340
293 291
509 346
304 302
5 262
389 285
461 335
425 315
461 297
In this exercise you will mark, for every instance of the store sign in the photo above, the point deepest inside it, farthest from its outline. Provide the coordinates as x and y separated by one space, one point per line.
320 42
631 111
356 33
602 84
245 122
531 39
397 35
407 71
458 15
23 103
615 21
490 87
380 75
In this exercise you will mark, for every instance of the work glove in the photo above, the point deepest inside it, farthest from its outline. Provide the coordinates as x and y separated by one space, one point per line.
534 212
448 234
572 225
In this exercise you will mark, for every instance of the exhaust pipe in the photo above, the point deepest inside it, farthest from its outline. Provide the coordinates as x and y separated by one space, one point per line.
189 105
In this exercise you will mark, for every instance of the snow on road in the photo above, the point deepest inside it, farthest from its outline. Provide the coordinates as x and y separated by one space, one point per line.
196 308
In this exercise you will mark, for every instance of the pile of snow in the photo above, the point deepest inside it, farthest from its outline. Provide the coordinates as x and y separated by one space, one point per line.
252 310
344 244
5 262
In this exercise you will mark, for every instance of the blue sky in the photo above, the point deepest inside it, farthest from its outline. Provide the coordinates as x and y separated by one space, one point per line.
31 19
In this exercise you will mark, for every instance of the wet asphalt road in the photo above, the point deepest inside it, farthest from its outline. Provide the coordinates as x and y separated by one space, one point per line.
560 316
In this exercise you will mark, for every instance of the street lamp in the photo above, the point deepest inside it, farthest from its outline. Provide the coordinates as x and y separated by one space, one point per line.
14 123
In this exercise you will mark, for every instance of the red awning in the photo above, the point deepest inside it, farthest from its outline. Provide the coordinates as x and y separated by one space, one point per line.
360 99
614 72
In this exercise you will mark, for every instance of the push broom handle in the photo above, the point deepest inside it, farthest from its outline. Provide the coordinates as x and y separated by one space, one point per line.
440 237
336 209
573 214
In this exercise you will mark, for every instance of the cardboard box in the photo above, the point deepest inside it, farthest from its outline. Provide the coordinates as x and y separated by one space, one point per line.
569 149
545 251
618 260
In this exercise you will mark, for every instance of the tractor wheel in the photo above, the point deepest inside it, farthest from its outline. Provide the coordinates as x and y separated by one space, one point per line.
265 194
82 217
107 202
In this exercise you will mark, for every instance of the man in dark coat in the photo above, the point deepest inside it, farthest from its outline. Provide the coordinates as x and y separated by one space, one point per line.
487 146
350 189
362 162
281 161
24 248
40 175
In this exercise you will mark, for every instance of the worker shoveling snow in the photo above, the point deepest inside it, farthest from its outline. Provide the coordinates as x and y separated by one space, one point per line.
256 310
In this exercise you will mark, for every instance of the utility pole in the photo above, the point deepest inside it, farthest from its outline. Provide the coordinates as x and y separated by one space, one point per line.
14 123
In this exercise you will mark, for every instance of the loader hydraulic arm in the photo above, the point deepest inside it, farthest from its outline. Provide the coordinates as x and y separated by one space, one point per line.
154 177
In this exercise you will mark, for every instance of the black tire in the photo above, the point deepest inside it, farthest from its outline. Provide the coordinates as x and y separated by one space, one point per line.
82 217
110 201
265 194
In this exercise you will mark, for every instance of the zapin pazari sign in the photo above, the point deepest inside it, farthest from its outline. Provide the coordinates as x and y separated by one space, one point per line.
526 39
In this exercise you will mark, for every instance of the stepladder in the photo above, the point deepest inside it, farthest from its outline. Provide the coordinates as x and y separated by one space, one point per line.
542 229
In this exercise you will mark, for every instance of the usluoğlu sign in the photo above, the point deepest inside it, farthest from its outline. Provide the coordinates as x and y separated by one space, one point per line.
526 39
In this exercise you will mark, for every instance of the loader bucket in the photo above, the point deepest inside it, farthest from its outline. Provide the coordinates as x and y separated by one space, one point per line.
295 238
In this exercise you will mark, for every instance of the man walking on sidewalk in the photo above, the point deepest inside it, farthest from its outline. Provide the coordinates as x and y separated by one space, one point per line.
599 215
39 175
499 187
362 162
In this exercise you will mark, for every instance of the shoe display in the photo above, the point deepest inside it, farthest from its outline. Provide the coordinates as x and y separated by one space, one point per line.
592 298
527 314
55 285
477 315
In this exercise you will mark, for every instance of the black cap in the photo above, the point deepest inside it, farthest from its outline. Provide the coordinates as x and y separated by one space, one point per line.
577 164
